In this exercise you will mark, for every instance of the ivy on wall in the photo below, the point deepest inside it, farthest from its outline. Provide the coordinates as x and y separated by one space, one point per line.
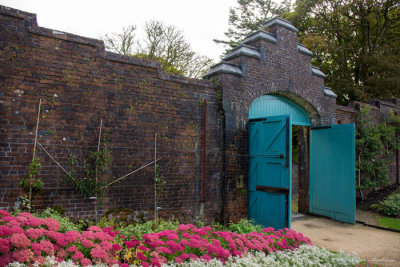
375 146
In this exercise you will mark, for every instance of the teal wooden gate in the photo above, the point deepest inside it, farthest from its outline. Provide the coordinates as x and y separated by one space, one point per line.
332 172
270 171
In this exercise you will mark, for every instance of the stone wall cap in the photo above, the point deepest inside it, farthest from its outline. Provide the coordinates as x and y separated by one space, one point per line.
260 35
243 50
280 22
303 49
224 67
329 92
315 71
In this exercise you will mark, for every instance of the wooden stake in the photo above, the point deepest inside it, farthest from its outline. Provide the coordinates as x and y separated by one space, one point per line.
155 177
97 163
34 155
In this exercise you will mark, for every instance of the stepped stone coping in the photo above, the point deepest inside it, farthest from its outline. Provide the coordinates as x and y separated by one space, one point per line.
303 49
224 67
315 71
260 35
280 22
243 50
329 92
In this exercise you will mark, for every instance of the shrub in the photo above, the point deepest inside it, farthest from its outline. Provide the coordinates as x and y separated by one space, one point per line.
391 205
244 227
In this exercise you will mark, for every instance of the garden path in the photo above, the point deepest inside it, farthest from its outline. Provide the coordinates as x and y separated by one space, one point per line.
379 247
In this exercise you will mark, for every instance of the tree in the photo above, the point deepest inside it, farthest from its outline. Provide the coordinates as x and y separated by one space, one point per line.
355 42
248 17
121 43
162 43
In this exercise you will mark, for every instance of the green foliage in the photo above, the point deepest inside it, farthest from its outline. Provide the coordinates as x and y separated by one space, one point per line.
152 226
160 183
375 144
391 205
32 182
244 226
94 167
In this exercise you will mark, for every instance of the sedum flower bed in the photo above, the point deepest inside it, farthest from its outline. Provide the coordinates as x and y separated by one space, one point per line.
26 239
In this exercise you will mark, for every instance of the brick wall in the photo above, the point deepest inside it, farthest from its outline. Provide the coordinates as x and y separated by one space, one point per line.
80 84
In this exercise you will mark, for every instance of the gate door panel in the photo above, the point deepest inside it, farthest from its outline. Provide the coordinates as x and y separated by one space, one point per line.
270 171
332 172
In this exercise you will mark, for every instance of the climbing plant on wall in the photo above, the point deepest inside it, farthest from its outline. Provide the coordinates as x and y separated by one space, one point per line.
375 145
94 167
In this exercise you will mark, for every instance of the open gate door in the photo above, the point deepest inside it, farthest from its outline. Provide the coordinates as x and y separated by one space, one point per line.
270 171
332 172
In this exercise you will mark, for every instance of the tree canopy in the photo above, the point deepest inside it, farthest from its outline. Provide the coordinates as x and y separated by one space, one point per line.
163 43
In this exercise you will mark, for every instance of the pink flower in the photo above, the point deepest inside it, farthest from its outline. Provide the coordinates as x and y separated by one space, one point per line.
106 246
5 259
143 248
173 236
54 235
36 248
72 236
186 235
47 247
116 247
72 249
98 253
95 229
15 229
186 227
4 213
25 214
21 255
174 246
164 250
101 236
86 262
61 253
87 243
77 256
178 260
88 234
20 241
51 224
206 257
34 233
140 256
131 244
4 230
5 245
33 222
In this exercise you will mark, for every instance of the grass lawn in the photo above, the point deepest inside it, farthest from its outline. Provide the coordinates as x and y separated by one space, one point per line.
388 222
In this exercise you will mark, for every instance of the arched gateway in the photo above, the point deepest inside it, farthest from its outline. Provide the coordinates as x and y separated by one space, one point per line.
267 85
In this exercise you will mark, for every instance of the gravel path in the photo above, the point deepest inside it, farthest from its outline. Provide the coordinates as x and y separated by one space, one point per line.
380 247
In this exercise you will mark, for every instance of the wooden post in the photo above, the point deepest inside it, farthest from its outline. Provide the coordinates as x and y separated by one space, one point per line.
34 155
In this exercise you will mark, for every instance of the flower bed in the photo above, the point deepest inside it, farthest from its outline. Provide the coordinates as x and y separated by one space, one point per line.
27 239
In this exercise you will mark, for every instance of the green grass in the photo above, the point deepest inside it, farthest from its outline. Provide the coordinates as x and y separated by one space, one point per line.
387 222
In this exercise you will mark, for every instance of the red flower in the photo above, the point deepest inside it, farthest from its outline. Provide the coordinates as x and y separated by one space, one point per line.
116 247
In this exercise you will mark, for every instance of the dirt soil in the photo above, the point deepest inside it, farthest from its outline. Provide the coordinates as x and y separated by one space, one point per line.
379 247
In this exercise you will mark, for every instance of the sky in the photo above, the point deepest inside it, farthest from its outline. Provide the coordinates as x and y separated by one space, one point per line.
200 20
